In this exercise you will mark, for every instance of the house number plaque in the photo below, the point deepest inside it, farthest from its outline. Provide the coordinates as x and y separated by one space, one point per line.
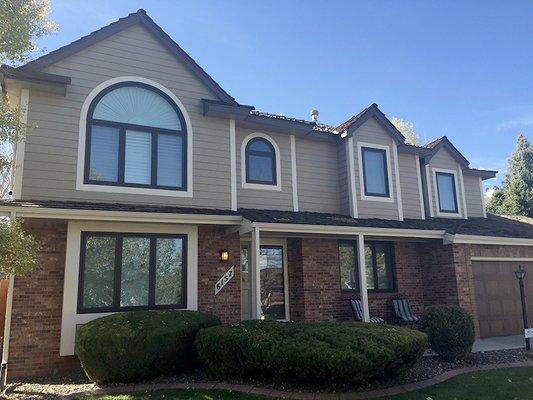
230 273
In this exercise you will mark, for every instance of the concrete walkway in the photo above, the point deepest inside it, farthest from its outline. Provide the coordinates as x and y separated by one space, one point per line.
499 343
372 394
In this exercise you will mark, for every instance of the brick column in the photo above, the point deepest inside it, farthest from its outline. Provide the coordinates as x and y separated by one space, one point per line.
227 303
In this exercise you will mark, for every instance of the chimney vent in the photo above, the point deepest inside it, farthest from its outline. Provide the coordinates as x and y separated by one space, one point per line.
314 115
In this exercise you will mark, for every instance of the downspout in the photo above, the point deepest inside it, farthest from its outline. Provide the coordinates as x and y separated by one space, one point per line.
7 327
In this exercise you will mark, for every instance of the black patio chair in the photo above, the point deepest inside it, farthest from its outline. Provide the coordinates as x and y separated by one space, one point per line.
403 313
357 309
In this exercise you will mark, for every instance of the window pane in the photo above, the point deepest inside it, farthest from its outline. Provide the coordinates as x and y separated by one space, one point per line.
104 154
138 157
347 261
445 185
139 106
383 266
272 285
260 145
169 160
369 270
169 271
98 272
260 168
375 174
135 272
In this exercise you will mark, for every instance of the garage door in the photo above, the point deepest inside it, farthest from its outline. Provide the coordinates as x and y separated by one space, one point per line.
498 297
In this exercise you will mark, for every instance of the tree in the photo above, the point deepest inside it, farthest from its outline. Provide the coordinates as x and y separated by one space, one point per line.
407 129
22 21
515 197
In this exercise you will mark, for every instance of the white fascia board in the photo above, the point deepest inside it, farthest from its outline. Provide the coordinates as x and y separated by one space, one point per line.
489 240
124 216
347 230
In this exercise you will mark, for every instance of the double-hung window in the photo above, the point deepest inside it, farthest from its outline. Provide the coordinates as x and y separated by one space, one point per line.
136 136
446 192
379 261
375 172
127 271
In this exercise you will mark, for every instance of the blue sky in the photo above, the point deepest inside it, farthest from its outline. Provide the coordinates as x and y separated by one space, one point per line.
461 69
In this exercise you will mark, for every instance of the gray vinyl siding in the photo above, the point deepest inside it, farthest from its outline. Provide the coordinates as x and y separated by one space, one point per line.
51 148
266 199
372 132
409 185
474 203
344 195
443 159
318 177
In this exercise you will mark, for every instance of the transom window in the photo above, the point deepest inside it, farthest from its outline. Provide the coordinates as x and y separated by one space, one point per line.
375 172
131 271
260 162
136 136
447 193
380 268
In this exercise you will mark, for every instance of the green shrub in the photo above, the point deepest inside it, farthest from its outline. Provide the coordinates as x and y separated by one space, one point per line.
307 352
138 345
450 331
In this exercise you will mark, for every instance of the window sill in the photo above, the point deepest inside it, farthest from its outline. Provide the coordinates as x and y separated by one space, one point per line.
261 186
384 199
133 190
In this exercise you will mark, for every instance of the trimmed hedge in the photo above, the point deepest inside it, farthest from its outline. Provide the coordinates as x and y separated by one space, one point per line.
138 345
450 331
307 352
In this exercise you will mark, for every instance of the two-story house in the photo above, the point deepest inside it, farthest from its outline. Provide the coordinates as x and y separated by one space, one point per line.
150 187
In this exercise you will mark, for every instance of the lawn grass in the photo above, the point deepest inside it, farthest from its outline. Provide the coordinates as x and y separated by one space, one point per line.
498 384
181 394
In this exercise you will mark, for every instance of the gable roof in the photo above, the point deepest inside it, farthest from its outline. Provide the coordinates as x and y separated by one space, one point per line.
139 17
444 142
371 111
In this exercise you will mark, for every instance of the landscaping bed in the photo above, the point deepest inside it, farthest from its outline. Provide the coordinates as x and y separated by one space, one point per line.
48 388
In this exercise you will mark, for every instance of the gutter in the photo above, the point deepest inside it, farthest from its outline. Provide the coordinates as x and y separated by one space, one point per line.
123 216
488 240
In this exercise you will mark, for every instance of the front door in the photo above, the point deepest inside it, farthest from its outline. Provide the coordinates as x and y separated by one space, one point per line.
272 279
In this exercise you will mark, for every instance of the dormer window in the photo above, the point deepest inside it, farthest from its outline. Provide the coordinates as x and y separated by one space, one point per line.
375 172
446 192
136 137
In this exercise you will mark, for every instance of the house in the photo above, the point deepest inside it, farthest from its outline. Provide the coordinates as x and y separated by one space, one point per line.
143 176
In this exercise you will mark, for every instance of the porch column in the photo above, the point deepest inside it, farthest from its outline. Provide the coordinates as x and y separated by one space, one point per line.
256 274
362 277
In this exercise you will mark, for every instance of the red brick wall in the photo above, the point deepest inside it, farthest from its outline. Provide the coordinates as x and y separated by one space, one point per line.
227 303
314 281
37 304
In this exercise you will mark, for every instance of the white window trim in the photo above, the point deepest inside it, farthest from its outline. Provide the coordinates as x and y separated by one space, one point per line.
360 145
70 317
458 214
260 186
80 185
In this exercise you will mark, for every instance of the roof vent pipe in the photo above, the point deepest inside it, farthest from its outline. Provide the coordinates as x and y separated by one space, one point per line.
314 115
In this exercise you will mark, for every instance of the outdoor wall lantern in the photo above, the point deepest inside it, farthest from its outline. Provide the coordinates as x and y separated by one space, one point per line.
520 273
224 255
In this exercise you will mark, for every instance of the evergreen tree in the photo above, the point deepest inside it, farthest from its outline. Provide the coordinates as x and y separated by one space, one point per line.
516 195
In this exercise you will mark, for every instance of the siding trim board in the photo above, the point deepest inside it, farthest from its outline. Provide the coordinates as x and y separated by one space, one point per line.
351 177
233 164
420 188
430 193
294 175
277 156
20 146
483 204
390 197
463 194
82 143
398 185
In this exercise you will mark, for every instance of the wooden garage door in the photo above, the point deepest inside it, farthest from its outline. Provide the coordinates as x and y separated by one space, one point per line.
498 297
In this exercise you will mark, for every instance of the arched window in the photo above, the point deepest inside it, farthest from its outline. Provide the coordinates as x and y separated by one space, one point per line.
136 136
260 162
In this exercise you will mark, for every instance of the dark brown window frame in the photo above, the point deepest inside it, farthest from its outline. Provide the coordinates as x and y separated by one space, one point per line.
115 307
122 127
456 205
385 170
392 262
271 155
